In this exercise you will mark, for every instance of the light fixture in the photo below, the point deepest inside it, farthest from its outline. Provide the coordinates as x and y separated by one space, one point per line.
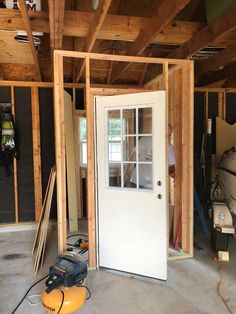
95 4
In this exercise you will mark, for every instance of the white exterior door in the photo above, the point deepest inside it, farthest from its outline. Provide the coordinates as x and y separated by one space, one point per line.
131 159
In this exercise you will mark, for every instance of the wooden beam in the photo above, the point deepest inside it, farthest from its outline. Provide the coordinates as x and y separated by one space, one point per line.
91 203
27 27
115 27
216 76
59 124
225 56
219 27
56 22
1 73
94 29
165 13
36 152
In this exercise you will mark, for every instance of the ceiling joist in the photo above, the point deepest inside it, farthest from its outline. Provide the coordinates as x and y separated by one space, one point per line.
27 27
115 27
166 12
91 37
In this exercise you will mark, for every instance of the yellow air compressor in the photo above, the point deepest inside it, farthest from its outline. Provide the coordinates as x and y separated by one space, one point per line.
65 290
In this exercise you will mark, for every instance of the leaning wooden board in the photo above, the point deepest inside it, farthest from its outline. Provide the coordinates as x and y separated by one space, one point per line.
42 234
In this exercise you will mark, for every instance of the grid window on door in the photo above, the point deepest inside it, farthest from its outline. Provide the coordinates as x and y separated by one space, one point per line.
129 160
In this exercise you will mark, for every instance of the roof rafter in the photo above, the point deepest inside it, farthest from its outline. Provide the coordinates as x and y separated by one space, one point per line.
95 27
56 22
166 12
25 16
219 27
225 56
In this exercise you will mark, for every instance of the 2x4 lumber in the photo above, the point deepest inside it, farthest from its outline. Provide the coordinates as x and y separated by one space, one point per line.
216 61
90 169
15 163
56 22
36 152
120 58
115 27
165 13
93 31
27 27
187 157
71 166
59 122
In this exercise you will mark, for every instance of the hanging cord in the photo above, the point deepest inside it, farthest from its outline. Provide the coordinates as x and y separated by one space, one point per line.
219 293
18 305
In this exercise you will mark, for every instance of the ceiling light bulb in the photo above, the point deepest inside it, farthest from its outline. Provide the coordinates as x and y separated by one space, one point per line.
95 4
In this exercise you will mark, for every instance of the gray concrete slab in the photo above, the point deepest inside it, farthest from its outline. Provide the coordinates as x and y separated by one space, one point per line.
191 287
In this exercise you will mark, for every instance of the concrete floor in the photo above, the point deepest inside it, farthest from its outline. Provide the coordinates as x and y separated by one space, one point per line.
191 287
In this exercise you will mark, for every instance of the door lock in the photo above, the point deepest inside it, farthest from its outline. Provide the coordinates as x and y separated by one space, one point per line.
159 196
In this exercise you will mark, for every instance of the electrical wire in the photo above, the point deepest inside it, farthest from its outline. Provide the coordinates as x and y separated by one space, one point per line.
89 292
62 301
219 293
18 305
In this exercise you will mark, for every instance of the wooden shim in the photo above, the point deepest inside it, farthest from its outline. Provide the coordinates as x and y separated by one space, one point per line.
45 222
42 213
36 152
70 164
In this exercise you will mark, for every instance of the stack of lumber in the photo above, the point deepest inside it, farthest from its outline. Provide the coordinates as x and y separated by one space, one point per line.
41 233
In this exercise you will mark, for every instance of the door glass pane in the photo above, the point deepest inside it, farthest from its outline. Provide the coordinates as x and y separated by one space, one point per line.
145 176
114 122
129 120
114 148
145 120
115 175
130 175
129 148
145 148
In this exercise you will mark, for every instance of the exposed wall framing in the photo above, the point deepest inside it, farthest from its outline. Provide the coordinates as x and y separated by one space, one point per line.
184 151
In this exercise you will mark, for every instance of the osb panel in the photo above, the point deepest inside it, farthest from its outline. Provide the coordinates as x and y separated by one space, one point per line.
13 51
19 72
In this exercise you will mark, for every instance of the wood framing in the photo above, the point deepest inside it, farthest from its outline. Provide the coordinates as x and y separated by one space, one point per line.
56 22
25 16
215 62
115 27
95 27
36 152
185 146
164 14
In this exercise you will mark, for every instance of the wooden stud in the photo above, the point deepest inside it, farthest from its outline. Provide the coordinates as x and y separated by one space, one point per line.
90 170
60 151
15 163
36 152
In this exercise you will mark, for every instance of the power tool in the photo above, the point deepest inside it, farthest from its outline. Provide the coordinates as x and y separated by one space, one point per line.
65 291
